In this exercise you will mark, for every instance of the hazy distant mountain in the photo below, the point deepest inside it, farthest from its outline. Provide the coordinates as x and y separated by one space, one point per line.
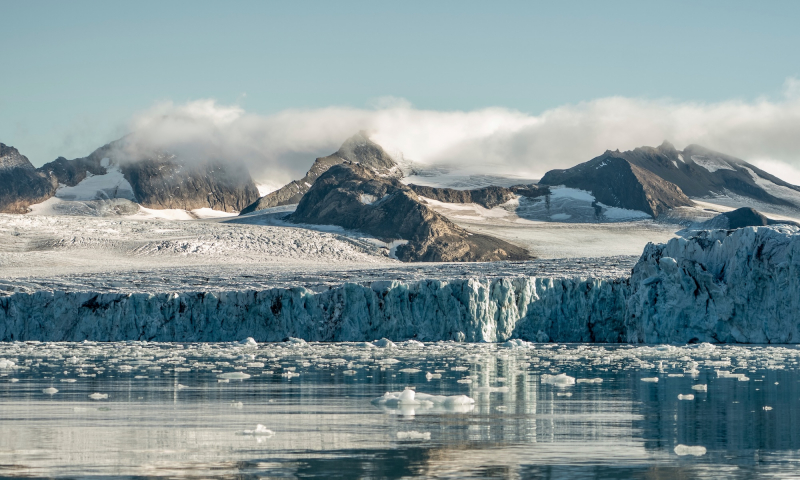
356 197
155 179
20 183
358 149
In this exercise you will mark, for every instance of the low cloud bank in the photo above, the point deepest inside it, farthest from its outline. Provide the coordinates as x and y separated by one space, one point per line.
282 146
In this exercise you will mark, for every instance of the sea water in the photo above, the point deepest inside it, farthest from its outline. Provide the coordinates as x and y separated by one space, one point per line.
398 410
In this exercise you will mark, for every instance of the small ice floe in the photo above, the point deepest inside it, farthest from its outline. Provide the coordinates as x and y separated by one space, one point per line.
68 380
502 389
234 376
589 380
249 342
409 370
6 364
696 450
685 397
501 408
726 374
290 374
260 431
767 409
408 399
700 388
237 405
412 344
98 396
430 376
464 380
650 379
516 344
560 380
384 343
50 391
348 372
564 394
223 380
180 387
296 342
413 435
13 380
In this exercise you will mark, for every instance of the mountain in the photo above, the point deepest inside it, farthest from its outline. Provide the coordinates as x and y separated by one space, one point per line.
357 149
153 179
356 197
739 218
20 183
616 181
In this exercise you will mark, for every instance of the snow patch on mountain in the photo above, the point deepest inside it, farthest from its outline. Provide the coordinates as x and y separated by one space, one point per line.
712 164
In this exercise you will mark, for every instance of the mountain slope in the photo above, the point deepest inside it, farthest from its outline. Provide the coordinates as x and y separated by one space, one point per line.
357 149
355 197
617 182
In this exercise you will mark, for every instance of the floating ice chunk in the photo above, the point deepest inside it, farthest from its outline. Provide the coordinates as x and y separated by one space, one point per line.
767 409
414 435
560 380
50 391
237 405
502 389
223 380
589 380
68 380
180 387
234 376
13 380
697 450
685 397
98 396
349 372
6 364
289 374
410 370
650 379
260 431
254 365
296 342
412 344
564 394
464 380
409 397
384 343
430 376
516 343
249 342
700 388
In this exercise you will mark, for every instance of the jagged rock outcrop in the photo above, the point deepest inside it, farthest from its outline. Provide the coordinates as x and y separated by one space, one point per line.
617 182
737 286
20 183
354 196
356 149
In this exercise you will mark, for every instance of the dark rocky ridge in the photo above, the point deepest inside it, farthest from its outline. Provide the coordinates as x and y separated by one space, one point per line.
358 149
615 181
487 197
355 197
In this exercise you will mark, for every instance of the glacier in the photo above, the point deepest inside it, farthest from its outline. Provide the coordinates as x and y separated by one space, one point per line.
740 286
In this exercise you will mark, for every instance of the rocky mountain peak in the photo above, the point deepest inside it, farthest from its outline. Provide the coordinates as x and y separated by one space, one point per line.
11 158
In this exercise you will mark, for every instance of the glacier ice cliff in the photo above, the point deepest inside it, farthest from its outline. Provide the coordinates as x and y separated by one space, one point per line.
720 286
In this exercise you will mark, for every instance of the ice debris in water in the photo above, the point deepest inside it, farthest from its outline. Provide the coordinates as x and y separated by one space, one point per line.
384 343
68 380
233 376
650 379
685 397
4 363
410 397
50 391
767 409
687 450
249 342
561 380
414 435
98 396
296 342
237 405
589 380
430 376
700 388
260 431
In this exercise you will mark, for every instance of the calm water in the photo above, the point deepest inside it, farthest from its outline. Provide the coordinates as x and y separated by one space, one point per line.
179 410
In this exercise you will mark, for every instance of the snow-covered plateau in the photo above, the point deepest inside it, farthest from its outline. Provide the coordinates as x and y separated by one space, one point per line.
737 286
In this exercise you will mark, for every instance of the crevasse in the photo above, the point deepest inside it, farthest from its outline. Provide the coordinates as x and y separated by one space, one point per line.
721 286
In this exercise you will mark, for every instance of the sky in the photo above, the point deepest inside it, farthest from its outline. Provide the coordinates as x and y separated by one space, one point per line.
509 85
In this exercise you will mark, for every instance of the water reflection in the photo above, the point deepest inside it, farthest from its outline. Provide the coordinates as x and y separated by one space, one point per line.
204 410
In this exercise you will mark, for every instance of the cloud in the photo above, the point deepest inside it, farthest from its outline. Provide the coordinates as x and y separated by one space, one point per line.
282 146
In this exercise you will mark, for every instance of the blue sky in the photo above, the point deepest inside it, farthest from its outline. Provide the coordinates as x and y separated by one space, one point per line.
74 73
